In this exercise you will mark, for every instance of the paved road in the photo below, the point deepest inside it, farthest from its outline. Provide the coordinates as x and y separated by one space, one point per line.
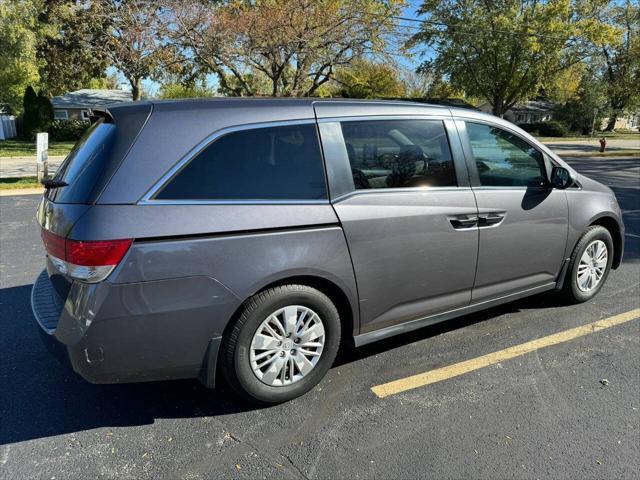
542 415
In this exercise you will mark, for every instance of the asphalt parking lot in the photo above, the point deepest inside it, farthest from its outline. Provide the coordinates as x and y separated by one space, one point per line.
569 410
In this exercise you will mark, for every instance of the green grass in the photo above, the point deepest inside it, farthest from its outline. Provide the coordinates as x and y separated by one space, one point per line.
19 182
23 148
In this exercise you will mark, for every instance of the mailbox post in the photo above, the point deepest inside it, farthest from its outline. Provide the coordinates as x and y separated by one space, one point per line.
42 155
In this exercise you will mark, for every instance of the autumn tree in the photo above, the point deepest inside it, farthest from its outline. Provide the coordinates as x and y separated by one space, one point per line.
622 60
66 49
368 79
588 106
280 47
505 50
133 39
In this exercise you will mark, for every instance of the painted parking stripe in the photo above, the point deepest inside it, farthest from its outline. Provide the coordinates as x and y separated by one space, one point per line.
444 373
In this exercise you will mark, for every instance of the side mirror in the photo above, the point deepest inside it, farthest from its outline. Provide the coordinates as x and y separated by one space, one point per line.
561 178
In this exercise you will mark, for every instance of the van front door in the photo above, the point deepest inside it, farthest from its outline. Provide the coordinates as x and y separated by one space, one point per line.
522 220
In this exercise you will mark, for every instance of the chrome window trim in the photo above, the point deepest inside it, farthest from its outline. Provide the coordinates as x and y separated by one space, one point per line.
147 198
378 117
371 191
234 202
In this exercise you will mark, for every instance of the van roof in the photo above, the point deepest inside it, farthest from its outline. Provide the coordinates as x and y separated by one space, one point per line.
217 102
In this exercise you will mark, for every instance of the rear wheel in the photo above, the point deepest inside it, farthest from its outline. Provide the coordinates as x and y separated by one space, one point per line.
589 265
283 343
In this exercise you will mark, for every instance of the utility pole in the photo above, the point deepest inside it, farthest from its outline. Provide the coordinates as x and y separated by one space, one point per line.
593 125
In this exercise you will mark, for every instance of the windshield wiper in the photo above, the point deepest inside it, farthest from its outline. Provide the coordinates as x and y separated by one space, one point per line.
52 183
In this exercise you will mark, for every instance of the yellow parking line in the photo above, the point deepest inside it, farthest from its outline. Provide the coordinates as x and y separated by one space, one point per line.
467 366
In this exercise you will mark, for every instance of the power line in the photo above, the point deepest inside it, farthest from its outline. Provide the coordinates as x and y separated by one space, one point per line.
462 27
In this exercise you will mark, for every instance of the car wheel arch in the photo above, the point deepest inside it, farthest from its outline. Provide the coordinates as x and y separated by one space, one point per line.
611 224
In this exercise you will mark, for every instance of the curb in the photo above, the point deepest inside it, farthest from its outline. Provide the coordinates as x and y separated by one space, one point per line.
10 192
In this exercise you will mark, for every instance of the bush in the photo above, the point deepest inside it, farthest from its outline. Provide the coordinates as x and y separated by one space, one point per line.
532 128
551 128
67 130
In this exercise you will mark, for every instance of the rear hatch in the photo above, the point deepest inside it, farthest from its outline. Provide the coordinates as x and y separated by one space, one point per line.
77 186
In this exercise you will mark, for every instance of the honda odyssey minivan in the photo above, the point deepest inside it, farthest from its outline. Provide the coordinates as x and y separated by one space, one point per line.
250 238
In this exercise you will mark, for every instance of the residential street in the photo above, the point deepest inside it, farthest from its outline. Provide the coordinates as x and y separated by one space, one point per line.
570 410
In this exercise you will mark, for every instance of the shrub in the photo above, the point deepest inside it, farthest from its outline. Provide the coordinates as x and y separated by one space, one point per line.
551 128
532 128
67 130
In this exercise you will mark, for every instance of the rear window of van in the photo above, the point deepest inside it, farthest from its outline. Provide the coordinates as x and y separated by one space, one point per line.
84 165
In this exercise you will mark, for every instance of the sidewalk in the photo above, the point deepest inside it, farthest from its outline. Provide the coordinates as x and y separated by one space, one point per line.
11 167
588 146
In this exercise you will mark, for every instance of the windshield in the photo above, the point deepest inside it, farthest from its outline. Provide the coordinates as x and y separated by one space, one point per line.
84 165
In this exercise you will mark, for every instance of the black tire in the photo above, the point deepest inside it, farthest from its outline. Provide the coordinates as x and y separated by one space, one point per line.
236 345
571 292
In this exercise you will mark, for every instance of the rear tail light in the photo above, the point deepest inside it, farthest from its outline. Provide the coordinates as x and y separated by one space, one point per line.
91 261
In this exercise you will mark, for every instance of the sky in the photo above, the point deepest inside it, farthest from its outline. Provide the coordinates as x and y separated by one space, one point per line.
151 87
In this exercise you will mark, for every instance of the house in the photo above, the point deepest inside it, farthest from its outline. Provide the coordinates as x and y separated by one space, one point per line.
76 105
629 121
532 111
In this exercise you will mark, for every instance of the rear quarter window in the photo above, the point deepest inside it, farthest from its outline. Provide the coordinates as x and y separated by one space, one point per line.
84 166
269 163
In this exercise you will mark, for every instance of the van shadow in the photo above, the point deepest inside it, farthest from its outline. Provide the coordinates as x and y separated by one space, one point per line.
41 398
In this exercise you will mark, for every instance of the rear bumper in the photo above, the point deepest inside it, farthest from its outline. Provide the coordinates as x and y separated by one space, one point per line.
110 333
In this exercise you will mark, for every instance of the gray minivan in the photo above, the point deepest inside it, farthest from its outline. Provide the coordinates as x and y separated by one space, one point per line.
251 237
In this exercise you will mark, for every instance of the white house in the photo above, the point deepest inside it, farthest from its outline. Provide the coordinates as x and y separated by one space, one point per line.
528 112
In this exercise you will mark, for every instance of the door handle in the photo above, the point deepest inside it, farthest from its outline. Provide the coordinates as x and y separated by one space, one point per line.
463 222
490 219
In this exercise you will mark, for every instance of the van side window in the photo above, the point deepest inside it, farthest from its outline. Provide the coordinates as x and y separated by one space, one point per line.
271 163
399 153
504 159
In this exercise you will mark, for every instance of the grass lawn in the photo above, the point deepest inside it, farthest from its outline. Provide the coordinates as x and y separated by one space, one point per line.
22 148
19 182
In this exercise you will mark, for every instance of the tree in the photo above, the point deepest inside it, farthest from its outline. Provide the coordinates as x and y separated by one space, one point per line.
67 53
367 79
589 101
280 47
38 113
564 86
504 50
18 40
30 112
177 90
133 40
622 60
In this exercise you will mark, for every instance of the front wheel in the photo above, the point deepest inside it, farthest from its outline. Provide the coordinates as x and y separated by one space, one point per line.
589 265
283 343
